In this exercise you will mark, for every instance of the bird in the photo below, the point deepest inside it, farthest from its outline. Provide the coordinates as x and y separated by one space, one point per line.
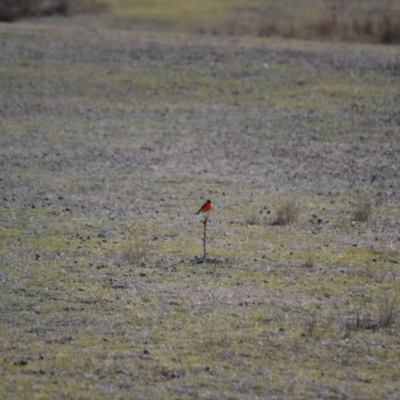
206 207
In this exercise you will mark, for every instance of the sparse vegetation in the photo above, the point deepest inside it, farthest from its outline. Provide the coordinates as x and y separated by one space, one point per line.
383 28
336 23
338 20
363 211
310 326
382 315
136 249
317 19
287 213
109 139
310 261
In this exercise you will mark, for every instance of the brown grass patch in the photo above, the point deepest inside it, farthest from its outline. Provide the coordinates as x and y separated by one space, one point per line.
363 211
287 214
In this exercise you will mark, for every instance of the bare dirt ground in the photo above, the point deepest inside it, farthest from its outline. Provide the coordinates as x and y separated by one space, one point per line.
110 141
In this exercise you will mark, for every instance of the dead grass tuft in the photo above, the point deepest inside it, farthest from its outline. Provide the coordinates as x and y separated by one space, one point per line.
288 214
363 211
310 325
137 251
383 317
309 262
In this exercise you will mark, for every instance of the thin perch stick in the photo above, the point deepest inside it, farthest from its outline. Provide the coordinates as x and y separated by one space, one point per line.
205 239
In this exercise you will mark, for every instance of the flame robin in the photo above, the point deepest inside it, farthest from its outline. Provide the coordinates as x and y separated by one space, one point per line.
206 207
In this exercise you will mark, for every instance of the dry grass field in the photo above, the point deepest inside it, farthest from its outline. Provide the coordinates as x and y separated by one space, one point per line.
350 20
110 141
